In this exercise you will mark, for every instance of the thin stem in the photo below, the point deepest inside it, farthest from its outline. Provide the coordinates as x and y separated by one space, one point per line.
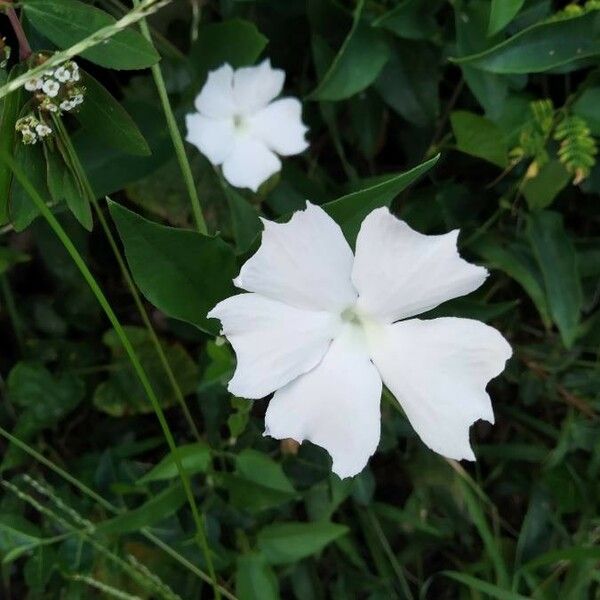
78 167
24 47
184 163
116 324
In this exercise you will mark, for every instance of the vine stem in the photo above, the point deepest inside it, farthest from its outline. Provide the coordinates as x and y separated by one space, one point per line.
116 324
24 47
78 168
184 163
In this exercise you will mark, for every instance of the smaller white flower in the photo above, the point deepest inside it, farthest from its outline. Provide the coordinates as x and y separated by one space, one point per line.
34 84
324 328
74 67
43 130
66 105
49 73
29 137
77 100
62 74
241 126
51 88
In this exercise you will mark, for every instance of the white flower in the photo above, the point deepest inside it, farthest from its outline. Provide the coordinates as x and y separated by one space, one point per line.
239 126
51 88
62 74
323 328
66 105
34 84
43 130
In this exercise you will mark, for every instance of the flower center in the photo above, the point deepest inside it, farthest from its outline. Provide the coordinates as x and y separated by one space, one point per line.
349 315
240 123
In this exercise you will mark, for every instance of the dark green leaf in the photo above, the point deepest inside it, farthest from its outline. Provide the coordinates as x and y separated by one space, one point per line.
557 260
586 107
410 19
478 136
541 191
244 218
284 543
183 273
104 118
254 579
502 13
542 47
195 458
66 22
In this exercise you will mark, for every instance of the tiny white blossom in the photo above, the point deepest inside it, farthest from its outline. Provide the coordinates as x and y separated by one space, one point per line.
324 328
43 130
34 84
62 74
51 88
66 105
77 100
241 126
49 73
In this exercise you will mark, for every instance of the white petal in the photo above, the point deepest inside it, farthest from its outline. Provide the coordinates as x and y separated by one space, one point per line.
216 97
400 273
336 406
273 342
213 137
305 262
255 87
279 125
438 370
250 163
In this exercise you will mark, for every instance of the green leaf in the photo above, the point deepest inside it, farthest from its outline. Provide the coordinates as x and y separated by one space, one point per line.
541 191
244 218
236 42
284 543
502 13
66 22
517 266
542 46
254 578
480 137
17 532
122 393
183 273
195 458
491 590
32 161
161 506
586 107
357 63
410 19
350 210
104 118
10 257
10 114
557 260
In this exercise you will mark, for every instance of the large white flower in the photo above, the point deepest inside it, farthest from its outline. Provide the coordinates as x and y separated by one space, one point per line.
323 328
239 126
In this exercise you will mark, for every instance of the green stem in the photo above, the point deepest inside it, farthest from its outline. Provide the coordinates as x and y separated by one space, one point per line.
116 324
184 163
76 165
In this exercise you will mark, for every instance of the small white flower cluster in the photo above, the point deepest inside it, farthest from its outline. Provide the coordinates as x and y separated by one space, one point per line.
32 129
57 89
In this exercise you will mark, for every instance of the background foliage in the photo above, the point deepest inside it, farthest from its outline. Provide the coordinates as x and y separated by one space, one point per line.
508 91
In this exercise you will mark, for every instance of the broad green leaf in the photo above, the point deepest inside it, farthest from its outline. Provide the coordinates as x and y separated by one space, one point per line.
32 161
183 273
409 82
195 458
502 13
244 219
10 113
557 260
284 543
236 42
541 47
66 22
350 210
122 393
586 107
254 578
478 585
410 19
161 506
480 137
102 117
357 63
39 568
541 191
258 467
499 255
